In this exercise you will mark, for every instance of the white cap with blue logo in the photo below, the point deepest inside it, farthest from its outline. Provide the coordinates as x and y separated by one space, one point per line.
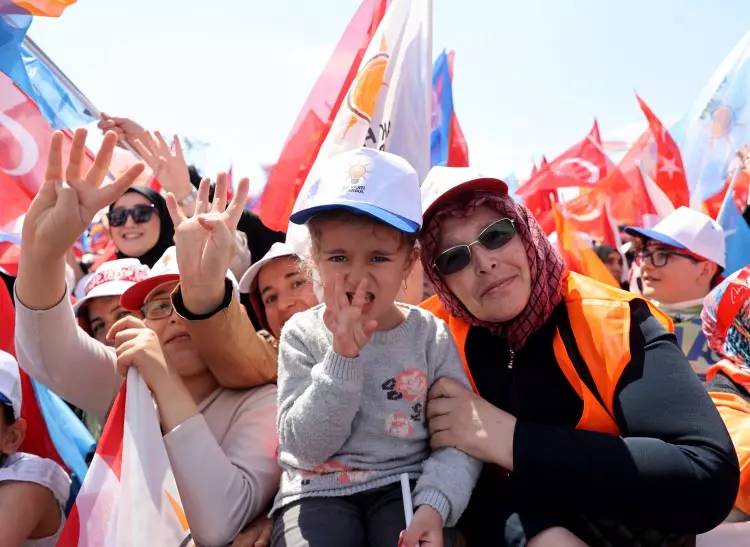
378 184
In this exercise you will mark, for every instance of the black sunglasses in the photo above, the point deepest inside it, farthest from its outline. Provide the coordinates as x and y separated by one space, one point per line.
493 237
141 213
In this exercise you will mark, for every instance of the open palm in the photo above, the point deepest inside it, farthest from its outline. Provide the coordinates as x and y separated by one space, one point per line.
64 207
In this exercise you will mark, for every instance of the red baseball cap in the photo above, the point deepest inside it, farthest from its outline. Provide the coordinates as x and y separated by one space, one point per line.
443 184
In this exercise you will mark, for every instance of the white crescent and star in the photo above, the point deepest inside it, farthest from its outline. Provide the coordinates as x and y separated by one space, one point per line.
27 144
592 168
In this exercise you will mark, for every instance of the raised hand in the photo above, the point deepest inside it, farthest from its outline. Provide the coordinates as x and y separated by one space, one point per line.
167 162
205 243
127 130
351 331
64 207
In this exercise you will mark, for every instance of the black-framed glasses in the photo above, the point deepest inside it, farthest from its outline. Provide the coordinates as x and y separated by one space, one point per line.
141 213
493 237
660 257
158 308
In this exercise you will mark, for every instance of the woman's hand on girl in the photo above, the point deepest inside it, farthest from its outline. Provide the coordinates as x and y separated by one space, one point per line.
426 528
205 242
345 319
461 419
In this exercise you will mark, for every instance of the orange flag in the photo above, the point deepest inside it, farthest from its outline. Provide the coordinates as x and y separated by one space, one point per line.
579 255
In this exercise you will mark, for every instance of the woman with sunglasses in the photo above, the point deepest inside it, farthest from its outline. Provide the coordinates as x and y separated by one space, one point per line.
140 226
591 424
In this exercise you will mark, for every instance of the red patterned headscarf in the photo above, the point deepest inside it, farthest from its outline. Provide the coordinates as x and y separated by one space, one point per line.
545 265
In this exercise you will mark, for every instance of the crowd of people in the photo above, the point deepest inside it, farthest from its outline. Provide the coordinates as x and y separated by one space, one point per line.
431 330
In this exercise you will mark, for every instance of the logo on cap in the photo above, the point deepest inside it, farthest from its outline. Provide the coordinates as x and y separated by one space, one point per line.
356 174
128 273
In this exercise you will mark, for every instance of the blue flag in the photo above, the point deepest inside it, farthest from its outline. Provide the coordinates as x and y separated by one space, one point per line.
37 76
717 125
442 110
736 234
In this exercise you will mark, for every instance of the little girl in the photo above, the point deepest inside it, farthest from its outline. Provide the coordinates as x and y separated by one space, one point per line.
354 373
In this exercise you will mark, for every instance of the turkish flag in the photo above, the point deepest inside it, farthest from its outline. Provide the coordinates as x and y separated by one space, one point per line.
668 172
589 214
583 164
24 138
579 256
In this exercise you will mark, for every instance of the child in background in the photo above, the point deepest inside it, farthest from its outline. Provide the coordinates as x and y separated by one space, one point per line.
354 373
33 490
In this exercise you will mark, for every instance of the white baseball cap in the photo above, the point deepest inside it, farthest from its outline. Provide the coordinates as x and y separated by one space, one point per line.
112 278
445 183
10 382
379 184
164 271
687 229
277 250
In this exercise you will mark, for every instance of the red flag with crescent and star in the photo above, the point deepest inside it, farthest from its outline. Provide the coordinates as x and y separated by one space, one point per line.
583 164
668 172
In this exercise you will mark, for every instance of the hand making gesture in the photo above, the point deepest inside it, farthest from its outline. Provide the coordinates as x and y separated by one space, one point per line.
205 242
345 319
167 162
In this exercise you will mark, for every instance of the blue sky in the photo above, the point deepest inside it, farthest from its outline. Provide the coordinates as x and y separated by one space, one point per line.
530 75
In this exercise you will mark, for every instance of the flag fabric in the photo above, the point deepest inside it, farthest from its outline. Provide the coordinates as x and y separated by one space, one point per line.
668 173
47 8
718 124
582 165
448 145
32 71
589 214
129 496
388 104
578 254
310 129
736 232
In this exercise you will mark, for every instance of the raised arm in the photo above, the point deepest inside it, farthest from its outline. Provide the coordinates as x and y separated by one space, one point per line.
205 246
49 343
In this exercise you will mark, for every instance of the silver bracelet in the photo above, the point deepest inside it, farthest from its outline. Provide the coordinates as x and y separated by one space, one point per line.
189 199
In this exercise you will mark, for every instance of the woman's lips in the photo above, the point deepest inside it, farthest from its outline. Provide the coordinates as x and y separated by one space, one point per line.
499 284
132 235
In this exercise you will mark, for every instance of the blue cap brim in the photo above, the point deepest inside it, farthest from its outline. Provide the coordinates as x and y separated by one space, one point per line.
398 222
656 236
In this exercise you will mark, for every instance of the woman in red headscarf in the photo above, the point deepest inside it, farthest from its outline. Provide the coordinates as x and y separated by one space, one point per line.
592 426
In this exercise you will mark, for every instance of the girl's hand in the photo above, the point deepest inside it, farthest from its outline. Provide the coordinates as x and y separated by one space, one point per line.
351 332
426 528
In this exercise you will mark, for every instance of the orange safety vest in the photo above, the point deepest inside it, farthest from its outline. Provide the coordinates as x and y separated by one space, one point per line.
600 320
734 410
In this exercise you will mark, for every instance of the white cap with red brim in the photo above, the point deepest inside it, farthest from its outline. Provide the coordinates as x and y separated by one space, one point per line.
164 271
445 183
112 278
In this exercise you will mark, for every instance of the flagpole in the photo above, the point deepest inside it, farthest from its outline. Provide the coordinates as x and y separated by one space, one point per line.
37 51
88 105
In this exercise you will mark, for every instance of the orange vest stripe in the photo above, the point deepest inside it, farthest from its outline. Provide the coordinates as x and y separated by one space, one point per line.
600 320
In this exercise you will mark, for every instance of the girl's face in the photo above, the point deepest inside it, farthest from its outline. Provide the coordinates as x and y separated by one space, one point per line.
132 238
364 250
